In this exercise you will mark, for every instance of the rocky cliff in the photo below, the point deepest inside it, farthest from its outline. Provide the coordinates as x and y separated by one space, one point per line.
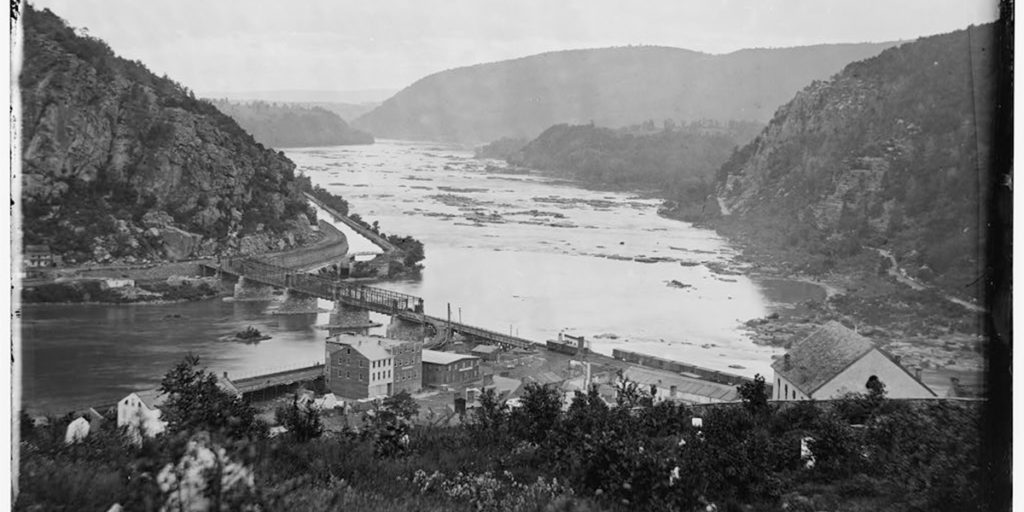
119 164
611 87
893 152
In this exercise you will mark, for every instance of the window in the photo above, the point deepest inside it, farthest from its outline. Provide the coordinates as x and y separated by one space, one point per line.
794 394
787 391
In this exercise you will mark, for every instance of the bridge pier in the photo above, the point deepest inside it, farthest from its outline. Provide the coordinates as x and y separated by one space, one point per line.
402 329
350 319
297 303
247 289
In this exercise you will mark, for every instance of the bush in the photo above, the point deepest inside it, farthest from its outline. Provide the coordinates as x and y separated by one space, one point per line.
302 421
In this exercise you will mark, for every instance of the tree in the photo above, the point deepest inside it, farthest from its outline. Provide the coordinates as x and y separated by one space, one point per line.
754 395
540 411
389 423
303 421
196 402
491 417
876 388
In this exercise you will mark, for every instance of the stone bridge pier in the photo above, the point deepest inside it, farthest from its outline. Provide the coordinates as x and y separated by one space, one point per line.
247 289
297 303
351 319
403 329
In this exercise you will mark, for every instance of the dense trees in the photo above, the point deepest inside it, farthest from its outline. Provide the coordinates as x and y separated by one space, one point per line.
869 453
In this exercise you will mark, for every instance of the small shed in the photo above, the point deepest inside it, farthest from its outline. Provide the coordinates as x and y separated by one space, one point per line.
486 352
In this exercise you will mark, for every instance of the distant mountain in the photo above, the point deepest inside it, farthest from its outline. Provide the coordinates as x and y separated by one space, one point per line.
346 111
281 125
610 87
119 164
893 152
306 96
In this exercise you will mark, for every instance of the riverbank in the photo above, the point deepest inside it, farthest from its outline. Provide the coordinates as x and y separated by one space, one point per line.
121 291
920 324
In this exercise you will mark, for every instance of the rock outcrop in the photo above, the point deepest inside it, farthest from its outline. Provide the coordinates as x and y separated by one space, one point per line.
118 163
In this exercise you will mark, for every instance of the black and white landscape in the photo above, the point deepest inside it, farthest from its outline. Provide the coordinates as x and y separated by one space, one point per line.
511 256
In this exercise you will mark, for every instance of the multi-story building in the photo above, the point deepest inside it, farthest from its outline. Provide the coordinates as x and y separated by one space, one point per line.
362 366
447 368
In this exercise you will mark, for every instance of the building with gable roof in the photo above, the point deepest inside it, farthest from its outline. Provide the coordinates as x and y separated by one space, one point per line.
835 360
362 366
448 368
140 412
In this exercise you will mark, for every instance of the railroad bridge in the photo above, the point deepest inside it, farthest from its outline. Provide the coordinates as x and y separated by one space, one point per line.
257 279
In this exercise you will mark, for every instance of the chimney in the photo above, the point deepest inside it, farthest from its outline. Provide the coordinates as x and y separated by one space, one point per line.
786 363
672 391
579 344
917 373
897 358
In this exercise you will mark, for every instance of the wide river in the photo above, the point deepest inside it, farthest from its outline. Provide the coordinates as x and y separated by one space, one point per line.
513 253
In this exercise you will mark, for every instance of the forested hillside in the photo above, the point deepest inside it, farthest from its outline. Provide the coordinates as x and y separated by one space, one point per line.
678 161
283 125
119 164
611 87
894 153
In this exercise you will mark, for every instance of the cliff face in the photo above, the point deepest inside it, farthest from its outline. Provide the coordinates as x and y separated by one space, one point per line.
118 163
893 152
611 87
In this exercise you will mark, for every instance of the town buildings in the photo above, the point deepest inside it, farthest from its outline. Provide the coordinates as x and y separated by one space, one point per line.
362 366
835 360
446 368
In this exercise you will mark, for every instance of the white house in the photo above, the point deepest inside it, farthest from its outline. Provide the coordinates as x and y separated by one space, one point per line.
835 360
140 412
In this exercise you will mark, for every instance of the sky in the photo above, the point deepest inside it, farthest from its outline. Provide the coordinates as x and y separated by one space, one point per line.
216 46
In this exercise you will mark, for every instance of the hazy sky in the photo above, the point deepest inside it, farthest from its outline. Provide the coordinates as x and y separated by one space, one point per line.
219 45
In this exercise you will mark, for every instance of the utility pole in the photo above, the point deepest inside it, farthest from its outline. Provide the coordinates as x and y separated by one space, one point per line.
448 336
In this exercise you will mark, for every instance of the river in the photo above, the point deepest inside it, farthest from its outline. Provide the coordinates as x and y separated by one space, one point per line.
514 253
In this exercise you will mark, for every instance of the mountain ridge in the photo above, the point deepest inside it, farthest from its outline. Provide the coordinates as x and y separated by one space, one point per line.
611 87
893 152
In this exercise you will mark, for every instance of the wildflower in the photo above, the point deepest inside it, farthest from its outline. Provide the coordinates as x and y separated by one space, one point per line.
674 476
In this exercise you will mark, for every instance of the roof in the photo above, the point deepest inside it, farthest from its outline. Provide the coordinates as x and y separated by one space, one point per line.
821 356
371 347
37 249
486 349
153 398
645 377
436 357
